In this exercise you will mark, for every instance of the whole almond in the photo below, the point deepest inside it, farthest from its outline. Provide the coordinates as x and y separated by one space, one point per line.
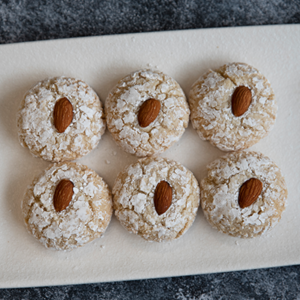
249 192
241 100
148 112
162 197
63 195
62 114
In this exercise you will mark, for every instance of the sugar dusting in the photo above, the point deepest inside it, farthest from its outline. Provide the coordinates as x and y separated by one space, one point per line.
122 107
133 193
220 190
35 120
86 217
211 115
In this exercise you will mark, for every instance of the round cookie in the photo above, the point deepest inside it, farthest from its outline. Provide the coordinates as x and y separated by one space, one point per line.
82 220
38 131
136 199
222 194
168 112
213 106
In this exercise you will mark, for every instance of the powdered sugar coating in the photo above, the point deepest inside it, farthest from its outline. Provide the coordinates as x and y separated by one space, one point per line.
211 113
35 120
86 217
133 194
124 101
220 191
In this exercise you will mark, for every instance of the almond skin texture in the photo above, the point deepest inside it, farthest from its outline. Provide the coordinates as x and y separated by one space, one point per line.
148 112
241 100
162 197
63 195
62 114
249 192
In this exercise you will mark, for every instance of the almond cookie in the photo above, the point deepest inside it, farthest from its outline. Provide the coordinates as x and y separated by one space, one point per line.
233 107
60 119
156 198
244 194
147 112
67 206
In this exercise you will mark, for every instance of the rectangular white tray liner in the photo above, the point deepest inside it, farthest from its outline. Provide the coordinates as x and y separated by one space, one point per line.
101 62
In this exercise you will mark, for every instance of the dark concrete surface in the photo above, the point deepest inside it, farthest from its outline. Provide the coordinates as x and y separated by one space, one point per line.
273 283
33 20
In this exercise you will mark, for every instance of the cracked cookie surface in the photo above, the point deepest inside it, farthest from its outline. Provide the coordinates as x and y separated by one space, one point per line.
220 192
134 206
85 218
211 112
36 128
122 107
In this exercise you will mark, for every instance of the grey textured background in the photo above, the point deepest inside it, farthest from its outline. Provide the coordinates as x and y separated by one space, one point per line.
33 20
275 283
